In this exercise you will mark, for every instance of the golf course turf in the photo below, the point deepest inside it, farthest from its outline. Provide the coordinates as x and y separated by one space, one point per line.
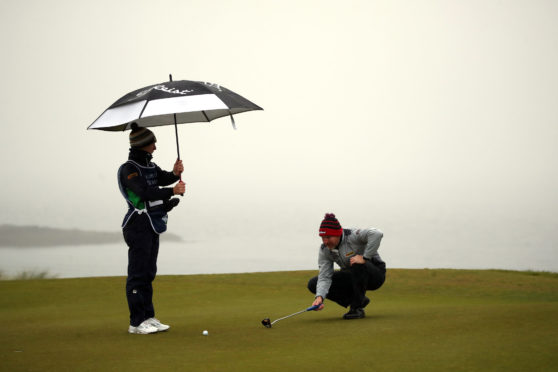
420 320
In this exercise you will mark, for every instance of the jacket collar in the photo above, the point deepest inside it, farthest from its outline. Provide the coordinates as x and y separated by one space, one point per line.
139 156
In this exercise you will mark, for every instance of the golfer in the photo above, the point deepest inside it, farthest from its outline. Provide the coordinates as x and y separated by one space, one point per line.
139 181
362 269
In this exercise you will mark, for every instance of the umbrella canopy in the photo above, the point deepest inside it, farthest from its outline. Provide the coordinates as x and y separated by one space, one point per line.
170 103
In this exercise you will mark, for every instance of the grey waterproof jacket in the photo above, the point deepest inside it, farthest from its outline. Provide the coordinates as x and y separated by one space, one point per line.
364 242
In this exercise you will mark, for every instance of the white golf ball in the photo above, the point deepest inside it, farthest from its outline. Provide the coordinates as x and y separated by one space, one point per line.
205 333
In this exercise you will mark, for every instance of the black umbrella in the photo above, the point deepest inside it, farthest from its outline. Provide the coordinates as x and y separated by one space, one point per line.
172 103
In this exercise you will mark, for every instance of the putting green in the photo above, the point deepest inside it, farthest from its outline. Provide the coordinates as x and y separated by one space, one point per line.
421 320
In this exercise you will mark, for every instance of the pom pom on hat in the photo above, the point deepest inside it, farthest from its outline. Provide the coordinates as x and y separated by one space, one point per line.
141 137
330 226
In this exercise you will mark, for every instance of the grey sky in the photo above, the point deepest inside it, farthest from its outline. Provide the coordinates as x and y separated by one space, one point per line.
380 111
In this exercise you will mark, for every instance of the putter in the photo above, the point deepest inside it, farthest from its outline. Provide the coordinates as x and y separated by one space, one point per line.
268 323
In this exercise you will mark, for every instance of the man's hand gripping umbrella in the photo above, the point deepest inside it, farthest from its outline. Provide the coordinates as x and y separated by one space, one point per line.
180 187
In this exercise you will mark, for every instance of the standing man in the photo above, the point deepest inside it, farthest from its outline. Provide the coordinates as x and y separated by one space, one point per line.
139 181
362 269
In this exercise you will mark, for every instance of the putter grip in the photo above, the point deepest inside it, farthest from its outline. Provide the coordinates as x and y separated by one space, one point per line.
313 307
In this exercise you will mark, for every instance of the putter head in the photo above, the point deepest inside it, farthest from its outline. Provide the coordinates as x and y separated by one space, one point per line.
266 323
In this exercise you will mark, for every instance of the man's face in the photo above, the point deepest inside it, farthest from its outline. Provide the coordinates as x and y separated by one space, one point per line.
331 241
150 148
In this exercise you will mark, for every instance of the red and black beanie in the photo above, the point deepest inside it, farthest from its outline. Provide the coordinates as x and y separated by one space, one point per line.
330 226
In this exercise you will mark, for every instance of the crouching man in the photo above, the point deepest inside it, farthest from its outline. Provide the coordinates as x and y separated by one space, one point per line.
362 269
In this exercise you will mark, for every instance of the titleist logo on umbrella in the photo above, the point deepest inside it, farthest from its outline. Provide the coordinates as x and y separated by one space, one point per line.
164 88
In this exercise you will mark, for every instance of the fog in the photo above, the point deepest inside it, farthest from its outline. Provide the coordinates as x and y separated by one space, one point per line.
434 121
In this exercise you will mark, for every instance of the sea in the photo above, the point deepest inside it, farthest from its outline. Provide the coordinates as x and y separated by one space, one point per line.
464 245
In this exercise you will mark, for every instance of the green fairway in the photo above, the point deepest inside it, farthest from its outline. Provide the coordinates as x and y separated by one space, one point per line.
421 320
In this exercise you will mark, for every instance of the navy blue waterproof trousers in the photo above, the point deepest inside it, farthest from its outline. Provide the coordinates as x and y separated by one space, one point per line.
349 286
143 248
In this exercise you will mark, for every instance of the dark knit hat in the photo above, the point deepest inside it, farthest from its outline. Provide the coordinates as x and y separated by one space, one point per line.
330 226
141 137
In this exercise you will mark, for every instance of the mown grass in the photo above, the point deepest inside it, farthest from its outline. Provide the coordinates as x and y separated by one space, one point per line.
421 320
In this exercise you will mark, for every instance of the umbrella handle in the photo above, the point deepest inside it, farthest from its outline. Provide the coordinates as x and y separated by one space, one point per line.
180 180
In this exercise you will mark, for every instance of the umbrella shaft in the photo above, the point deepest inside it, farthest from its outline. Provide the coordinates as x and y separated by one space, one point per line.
176 133
177 147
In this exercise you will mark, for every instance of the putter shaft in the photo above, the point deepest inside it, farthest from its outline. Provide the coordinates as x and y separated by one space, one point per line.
288 316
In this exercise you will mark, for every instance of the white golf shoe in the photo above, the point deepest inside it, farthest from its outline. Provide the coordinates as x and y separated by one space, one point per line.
157 324
143 329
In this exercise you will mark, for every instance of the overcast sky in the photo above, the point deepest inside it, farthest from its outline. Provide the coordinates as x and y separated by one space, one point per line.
384 112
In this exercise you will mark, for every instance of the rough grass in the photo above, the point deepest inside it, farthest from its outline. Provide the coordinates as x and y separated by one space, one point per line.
421 320
28 275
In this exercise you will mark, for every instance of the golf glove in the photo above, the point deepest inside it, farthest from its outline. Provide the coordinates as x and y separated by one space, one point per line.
171 203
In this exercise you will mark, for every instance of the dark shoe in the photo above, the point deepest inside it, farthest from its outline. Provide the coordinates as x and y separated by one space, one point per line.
354 313
365 302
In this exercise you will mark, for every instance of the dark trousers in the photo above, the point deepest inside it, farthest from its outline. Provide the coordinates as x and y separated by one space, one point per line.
143 248
349 286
